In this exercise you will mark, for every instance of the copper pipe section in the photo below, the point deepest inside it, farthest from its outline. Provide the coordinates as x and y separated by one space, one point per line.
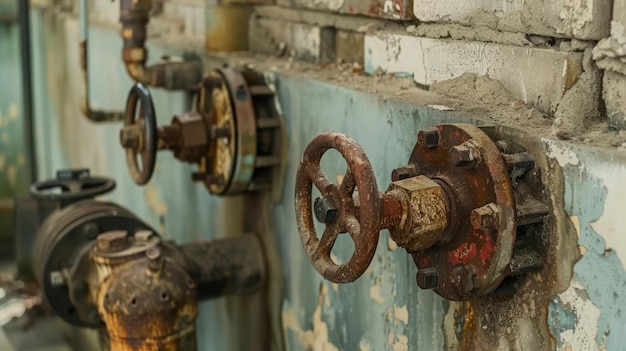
93 115
169 74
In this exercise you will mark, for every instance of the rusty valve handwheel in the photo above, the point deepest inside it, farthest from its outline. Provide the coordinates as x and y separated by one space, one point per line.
139 135
337 209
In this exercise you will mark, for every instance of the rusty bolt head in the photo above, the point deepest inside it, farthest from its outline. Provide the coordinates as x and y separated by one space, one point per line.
153 253
464 278
427 278
403 173
325 209
215 179
465 155
428 137
57 279
426 215
484 217
113 241
143 235
198 176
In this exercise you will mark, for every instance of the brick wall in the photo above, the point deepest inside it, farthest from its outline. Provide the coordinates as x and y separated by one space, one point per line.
565 59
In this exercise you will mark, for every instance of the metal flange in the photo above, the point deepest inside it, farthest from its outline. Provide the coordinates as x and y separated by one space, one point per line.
60 240
473 253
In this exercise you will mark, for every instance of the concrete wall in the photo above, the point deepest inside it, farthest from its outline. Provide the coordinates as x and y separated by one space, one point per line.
529 67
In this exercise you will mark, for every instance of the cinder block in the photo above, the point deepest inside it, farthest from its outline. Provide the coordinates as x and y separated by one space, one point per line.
389 9
304 42
350 46
191 12
614 95
536 76
610 53
227 28
581 19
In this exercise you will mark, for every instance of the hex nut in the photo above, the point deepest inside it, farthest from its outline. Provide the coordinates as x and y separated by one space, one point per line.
426 214
193 136
485 217
404 172
427 278
143 235
428 137
464 278
466 155
325 209
113 241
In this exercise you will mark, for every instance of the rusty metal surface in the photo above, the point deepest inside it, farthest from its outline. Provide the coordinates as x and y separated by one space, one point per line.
475 261
362 222
169 74
225 267
149 304
425 213
216 168
139 135
62 236
241 102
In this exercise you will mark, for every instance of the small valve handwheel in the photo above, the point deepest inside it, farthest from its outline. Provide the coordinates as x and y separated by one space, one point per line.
337 208
139 134
75 185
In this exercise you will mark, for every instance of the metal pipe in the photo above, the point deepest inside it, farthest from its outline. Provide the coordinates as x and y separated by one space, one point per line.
92 115
169 74
229 266
27 91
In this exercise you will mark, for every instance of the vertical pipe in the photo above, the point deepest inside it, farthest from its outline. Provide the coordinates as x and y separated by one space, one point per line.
27 91
83 33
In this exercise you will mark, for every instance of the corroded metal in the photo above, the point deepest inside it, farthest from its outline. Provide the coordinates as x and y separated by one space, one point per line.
424 206
102 267
139 135
60 239
453 207
362 222
471 166
234 136
169 74
147 302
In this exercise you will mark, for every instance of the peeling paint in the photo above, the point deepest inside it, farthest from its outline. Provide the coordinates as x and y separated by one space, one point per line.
562 153
14 111
375 290
12 175
611 223
154 202
578 318
315 339
363 346
401 314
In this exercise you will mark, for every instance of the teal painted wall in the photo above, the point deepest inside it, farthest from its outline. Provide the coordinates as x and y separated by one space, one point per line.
13 176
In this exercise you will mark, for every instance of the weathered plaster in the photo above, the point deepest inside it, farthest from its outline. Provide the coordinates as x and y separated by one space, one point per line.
589 314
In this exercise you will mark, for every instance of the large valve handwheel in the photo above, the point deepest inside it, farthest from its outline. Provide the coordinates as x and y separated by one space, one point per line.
74 185
337 207
139 134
